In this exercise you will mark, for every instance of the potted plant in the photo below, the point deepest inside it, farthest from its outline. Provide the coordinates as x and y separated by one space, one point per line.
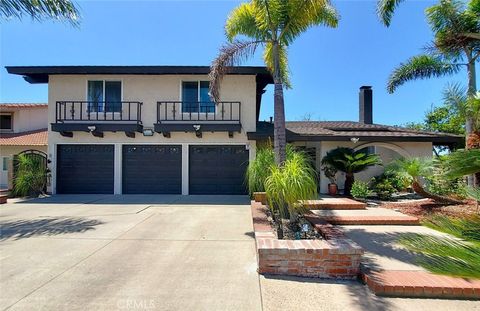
331 173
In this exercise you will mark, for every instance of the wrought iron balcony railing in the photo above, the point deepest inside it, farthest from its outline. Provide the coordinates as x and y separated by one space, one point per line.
92 111
198 112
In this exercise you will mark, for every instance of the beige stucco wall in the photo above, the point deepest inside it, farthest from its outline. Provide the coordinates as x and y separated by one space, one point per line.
387 151
8 152
28 119
149 89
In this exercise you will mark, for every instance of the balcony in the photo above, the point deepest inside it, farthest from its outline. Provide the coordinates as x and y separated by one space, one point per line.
198 117
97 117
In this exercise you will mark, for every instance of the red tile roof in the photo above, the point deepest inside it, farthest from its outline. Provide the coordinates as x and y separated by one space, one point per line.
23 105
31 138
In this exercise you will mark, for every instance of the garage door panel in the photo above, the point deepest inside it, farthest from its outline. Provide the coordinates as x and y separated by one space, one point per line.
217 169
85 169
152 169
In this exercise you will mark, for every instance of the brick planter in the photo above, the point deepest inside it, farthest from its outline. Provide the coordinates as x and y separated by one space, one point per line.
337 258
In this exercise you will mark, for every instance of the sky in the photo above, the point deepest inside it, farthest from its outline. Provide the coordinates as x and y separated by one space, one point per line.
327 66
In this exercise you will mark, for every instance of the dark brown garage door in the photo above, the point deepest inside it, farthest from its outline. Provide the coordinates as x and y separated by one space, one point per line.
85 169
217 169
152 169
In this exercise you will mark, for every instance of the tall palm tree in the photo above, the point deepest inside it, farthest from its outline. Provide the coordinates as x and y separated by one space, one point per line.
273 24
450 51
350 162
40 10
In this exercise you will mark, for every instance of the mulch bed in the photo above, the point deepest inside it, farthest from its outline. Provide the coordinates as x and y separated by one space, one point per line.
290 229
425 207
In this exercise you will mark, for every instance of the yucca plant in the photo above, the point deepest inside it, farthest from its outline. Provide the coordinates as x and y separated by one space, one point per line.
288 184
349 161
30 177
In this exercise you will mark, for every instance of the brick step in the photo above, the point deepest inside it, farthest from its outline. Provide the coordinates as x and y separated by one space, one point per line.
372 220
334 204
420 284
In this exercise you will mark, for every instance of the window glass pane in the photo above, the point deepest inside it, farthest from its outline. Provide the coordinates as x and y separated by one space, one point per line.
6 121
5 163
95 96
206 105
190 96
113 96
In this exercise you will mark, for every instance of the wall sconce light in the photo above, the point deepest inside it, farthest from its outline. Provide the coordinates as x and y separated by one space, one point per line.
354 140
92 128
147 132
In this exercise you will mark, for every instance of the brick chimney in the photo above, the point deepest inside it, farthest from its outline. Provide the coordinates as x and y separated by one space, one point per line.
365 101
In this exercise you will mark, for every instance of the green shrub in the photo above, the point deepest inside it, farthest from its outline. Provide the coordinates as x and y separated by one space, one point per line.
383 188
360 190
259 169
30 177
440 184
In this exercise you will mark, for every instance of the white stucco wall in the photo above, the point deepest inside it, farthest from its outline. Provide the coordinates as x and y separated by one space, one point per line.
149 89
400 149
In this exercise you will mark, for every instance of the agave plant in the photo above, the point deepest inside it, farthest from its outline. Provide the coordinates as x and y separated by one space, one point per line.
349 161
414 169
30 177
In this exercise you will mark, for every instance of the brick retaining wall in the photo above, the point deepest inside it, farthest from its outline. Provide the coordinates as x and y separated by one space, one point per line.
338 257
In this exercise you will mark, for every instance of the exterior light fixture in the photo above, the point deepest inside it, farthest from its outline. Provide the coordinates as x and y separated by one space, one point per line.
147 132
92 128
354 140
197 127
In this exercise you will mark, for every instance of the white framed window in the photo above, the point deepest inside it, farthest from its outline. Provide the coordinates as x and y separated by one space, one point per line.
104 96
195 97
6 121
5 164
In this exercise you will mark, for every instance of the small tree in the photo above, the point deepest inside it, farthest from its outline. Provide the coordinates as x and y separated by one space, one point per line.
31 176
350 162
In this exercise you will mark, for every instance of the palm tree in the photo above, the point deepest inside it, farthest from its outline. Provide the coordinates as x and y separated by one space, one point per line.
40 10
350 162
451 49
414 169
273 24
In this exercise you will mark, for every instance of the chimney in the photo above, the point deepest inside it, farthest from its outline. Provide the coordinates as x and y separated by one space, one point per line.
365 99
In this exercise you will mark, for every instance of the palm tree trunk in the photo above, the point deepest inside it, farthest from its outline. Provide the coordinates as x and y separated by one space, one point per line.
417 187
469 130
349 180
279 136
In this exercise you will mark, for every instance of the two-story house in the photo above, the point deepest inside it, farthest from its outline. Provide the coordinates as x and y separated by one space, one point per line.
155 130
23 128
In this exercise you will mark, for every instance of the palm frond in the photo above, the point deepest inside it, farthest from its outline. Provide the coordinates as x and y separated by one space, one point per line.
231 54
299 15
269 61
455 95
419 67
242 21
385 10
40 10
463 162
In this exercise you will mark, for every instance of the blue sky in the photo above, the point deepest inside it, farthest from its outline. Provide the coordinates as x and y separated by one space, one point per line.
327 65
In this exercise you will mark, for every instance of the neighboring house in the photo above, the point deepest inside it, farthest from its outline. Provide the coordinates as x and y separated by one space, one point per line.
23 127
154 129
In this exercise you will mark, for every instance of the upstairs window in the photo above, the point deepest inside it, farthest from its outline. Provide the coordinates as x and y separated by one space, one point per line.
195 97
104 96
6 122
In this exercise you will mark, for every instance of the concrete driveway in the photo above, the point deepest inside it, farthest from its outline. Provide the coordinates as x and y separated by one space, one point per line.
128 252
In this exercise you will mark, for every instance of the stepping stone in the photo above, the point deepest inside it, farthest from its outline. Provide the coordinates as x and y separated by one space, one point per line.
398 283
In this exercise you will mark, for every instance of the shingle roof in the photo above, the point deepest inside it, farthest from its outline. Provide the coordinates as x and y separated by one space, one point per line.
23 105
31 138
345 130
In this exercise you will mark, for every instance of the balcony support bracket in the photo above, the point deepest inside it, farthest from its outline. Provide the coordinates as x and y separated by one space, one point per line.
66 134
97 134
130 134
230 134
166 134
